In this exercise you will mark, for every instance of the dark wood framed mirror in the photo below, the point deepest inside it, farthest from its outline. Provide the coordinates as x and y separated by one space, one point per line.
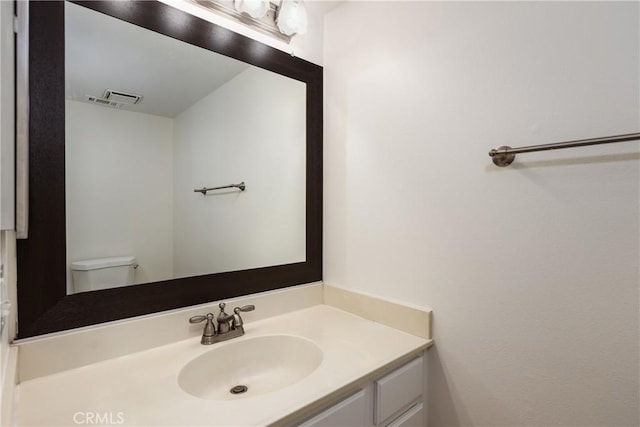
44 305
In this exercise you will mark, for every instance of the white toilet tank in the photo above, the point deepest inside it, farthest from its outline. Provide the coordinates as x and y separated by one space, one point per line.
102 273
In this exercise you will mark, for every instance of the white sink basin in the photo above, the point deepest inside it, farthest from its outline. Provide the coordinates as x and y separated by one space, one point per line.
262 365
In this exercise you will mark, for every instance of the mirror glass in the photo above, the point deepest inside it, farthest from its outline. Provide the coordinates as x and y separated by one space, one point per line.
150 119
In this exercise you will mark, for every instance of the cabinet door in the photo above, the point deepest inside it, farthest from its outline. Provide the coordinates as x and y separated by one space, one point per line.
349 412
398 390
414 417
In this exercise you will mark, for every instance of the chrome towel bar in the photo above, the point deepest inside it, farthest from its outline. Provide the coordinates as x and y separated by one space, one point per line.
504 156
204 190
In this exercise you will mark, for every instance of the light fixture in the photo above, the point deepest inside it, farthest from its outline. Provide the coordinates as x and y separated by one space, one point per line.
255 8
281 19
292 17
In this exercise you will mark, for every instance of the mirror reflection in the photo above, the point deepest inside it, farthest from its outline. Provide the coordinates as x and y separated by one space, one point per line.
150 119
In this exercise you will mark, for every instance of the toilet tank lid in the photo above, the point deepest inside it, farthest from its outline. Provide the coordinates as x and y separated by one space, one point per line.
94 264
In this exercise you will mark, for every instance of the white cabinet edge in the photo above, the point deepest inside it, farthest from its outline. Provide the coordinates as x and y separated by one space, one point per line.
7 117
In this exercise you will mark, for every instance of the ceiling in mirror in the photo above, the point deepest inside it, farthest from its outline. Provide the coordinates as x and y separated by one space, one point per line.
103 52
150 119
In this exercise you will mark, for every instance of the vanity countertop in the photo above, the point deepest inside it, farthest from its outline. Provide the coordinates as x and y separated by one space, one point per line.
142 389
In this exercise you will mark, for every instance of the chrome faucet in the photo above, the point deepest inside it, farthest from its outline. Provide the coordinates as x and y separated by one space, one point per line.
229 325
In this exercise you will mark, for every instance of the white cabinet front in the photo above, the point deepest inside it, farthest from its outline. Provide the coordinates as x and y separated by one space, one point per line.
350 412
394 400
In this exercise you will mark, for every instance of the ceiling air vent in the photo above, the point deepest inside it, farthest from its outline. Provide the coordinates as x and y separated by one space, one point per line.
122 97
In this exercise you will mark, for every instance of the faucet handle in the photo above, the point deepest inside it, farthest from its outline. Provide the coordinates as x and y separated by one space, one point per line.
209 329
198 319
245 308
238 323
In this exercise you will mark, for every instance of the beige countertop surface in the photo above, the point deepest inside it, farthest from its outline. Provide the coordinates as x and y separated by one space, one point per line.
142 389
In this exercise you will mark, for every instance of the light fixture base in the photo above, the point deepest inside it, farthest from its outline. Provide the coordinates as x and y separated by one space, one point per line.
266 25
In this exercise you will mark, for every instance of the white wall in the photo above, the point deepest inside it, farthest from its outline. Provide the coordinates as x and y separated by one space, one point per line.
533 270
216 145
119 175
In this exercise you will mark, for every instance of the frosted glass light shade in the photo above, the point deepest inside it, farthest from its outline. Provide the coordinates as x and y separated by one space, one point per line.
292 18
255 8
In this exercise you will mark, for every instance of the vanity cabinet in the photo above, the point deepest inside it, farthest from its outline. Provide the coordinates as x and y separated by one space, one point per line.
351 411
394 399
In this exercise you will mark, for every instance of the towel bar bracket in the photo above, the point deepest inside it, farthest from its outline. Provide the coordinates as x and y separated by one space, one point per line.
501 157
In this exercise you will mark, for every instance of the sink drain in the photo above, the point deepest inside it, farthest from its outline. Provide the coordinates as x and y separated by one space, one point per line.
239 389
